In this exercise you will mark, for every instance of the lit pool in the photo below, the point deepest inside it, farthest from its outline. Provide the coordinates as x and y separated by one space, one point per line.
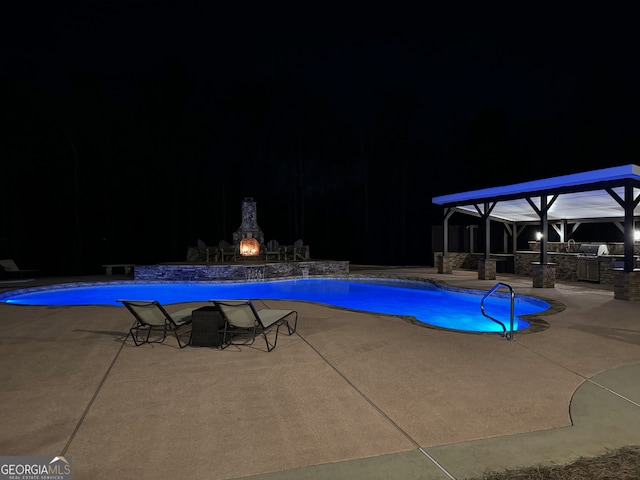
455 309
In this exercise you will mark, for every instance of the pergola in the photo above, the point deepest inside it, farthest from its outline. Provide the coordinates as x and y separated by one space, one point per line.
564 202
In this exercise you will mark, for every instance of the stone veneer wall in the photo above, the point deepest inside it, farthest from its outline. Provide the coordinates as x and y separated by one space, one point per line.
566 264
461 260
249 225
239 271
544 276
487 269
627 285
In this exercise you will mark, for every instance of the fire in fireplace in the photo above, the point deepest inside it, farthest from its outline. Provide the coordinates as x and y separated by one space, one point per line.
249 247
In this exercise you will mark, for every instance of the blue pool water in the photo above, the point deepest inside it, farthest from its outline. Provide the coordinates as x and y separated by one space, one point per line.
429 303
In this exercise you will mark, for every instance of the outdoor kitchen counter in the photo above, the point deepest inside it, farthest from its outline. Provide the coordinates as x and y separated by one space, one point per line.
566 265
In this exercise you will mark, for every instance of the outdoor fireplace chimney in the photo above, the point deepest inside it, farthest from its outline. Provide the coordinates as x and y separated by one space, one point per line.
249 234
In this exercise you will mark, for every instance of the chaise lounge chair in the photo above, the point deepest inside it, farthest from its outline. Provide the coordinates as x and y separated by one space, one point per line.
9 269
151 316
242 318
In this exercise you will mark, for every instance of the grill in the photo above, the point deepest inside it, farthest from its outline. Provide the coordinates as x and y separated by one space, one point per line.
593 249
588 264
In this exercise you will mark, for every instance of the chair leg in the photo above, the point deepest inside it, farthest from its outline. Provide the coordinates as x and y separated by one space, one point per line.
224 344
180 344
133 331
275 340
290 330
134 335
230 334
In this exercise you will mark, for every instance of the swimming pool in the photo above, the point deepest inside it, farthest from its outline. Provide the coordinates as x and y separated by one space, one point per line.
455 309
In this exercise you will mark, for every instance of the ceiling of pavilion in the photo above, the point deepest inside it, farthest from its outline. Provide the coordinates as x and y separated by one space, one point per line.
580 197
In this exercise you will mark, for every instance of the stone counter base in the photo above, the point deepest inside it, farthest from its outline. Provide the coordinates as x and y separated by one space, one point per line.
626 285
544 275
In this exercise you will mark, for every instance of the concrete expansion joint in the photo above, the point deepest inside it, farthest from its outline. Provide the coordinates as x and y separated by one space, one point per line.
614 393
377 408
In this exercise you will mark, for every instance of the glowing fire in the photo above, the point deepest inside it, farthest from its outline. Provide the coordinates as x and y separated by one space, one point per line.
249 247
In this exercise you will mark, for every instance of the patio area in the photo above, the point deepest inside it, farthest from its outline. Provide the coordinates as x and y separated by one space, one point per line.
349 395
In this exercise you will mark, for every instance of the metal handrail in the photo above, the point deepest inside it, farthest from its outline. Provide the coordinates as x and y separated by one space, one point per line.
508 336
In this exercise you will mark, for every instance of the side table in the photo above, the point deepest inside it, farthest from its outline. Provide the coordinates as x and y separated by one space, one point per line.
206 326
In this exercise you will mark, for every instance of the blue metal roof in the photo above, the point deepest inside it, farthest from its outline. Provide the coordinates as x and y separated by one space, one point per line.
580 196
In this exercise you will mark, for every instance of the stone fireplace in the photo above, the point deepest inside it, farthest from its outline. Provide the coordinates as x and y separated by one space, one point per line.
249 237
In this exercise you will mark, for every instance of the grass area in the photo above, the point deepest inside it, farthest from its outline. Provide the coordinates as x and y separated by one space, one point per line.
621 464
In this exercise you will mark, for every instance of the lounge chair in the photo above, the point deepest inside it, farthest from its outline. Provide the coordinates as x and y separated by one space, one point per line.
151 316
9 269
300 251
273 250
242 318
227 251
203 251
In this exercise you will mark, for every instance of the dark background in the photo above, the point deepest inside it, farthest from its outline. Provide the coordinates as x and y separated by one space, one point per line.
128 133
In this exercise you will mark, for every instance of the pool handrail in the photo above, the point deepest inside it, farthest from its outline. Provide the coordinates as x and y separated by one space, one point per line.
498 285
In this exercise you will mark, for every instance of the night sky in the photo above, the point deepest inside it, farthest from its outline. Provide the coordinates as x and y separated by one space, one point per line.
127 134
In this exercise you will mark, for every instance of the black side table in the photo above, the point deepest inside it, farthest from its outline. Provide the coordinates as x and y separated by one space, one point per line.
206 326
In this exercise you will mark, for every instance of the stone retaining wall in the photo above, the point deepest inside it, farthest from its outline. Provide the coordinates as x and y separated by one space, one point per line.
254 271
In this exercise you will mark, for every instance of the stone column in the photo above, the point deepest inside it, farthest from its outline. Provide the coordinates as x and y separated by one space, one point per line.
626 285
444 264
544 275
486 269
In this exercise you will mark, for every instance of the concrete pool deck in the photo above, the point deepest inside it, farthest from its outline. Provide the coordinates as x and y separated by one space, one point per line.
350 395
